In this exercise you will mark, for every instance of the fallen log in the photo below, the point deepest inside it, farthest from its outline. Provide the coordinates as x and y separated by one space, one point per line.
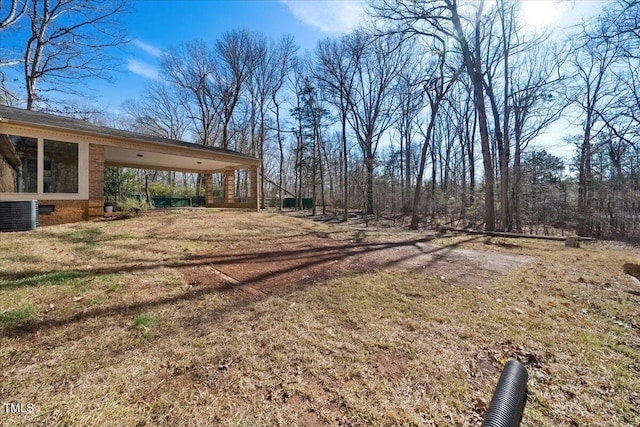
443 229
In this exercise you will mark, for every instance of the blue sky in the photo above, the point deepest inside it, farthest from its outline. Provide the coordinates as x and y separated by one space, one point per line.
156 25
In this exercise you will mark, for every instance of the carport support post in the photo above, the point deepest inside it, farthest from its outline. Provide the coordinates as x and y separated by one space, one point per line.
95 205
255 191
229 186
208 189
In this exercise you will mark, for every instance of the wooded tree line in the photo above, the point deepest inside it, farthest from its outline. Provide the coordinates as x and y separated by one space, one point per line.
431 113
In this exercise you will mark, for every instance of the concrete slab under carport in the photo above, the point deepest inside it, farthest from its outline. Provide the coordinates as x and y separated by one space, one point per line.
139 155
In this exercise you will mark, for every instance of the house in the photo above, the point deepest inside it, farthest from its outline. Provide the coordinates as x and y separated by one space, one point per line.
60 162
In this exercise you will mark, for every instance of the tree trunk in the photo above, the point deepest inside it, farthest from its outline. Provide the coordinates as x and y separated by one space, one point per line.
517 172
345 166
463 178
147 194
505 152
300 170
281 150
369 165
423 162
261 138
584 181
407 173
473 64
471 157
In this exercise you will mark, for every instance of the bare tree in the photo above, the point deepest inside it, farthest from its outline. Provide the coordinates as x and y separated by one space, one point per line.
259 83
190 68
67 43
622 21
448 20
436 87
593 62
503 43
158 113
282 57
461 109
9 15
627 105
608 196
506 46
337 61
410 95
372 107
298 78
537 100
234 56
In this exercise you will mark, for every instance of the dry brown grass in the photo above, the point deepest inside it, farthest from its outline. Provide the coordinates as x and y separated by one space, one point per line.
99 326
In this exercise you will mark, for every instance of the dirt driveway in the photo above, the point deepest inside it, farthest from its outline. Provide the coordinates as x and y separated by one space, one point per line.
278 266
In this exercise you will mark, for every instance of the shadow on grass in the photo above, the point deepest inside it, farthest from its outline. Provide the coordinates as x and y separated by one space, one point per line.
42 279
490 241
12 317
86 238
320 260
81 235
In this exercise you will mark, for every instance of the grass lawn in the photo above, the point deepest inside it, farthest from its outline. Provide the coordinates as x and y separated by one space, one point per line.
211 317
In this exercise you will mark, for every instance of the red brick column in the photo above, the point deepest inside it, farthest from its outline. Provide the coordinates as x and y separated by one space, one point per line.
96 181
229 186
254 179
208 190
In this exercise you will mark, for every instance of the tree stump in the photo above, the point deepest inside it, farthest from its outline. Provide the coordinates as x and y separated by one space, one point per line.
572 242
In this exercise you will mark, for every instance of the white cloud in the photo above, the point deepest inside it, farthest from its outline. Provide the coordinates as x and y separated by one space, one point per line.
151 50
142 69
329 16
540 13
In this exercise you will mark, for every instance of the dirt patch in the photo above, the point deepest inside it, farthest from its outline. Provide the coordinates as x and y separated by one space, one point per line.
253 272
389 364
632 269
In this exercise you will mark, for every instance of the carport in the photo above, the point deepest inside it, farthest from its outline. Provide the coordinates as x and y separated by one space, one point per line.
60 162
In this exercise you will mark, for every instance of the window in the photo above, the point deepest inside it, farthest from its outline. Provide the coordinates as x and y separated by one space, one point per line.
18 164
60 167
33 165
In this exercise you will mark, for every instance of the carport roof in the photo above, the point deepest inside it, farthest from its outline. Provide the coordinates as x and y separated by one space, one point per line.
132 149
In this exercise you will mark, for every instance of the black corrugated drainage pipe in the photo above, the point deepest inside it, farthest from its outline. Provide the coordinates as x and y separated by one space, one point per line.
507 404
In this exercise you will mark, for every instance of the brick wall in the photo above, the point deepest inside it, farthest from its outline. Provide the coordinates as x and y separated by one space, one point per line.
65 211
95 206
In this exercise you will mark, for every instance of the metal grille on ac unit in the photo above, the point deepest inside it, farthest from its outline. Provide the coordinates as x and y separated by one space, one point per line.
18 215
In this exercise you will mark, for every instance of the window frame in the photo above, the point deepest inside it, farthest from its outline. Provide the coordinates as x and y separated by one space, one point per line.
9 137
83 163
52 165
